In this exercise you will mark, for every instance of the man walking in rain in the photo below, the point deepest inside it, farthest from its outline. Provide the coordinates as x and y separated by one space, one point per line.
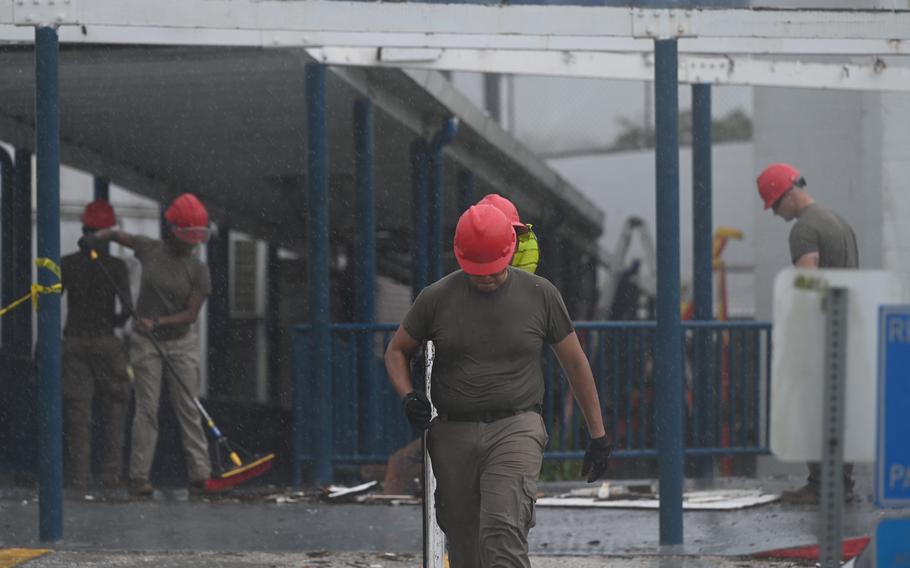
489 323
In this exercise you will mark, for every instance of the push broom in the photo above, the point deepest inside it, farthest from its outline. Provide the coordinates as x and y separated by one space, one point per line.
243 465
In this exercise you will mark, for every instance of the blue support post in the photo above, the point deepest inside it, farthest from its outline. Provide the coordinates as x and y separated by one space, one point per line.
7 425
17 325
668 356
420 226
102 188
467 190
703 269
219 313
318 267
435 248
365 273
50 400
6 239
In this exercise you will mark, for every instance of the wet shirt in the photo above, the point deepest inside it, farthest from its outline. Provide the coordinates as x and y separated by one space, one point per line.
90 298
488 344
168 281
818 229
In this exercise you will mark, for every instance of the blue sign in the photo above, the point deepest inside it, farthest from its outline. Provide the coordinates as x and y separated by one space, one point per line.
892 543
892 479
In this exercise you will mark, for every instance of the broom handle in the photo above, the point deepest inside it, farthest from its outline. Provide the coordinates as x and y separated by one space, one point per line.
128 304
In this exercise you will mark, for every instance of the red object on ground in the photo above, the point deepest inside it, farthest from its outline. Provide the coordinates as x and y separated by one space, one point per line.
235 477
852 548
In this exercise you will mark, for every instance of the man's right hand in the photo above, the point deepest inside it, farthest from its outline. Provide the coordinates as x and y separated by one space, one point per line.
418 410
89 243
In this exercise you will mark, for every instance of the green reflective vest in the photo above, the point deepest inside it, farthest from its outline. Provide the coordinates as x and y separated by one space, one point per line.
527 253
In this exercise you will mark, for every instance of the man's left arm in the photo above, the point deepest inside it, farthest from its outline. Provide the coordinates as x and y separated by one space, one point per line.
575 364
578 370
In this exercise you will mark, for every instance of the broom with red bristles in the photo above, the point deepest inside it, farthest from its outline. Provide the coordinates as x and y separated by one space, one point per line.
243 465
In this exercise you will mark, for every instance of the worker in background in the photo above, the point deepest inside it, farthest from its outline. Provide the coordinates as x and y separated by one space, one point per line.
94 361
820 238
489 323
527 251
173 287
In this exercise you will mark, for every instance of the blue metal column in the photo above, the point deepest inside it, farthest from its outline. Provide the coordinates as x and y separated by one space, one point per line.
668 356
437 197
365 273
219 313
6 239
703 270
467 190
102 189
17 325
420 204
318 267
7 424
50 402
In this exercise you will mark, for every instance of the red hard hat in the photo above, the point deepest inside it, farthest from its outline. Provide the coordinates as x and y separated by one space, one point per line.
98 215
484 240
776 180
188 218
507 207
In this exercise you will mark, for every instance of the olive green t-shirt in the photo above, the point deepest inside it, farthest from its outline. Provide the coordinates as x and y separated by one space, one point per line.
168 281
488 344
90 305
818 229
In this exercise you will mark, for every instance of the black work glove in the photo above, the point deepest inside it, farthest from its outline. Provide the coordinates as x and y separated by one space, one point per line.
89 243
417 408
597 458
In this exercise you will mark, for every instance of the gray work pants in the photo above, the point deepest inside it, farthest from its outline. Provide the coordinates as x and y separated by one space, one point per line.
148 369
486 476
94 367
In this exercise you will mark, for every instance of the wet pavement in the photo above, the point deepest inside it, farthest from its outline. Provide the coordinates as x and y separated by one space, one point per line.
256 529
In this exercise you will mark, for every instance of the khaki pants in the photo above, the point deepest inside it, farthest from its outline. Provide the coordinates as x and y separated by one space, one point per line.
94 366
486 488
148 369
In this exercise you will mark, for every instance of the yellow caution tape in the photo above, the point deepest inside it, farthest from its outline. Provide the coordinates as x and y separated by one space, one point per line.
10 557
37 289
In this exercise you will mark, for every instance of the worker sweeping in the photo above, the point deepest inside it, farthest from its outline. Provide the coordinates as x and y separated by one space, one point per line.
94 361
489 323
174 285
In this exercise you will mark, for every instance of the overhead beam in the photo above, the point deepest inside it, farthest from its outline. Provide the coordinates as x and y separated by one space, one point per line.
241 21
874 76
153 35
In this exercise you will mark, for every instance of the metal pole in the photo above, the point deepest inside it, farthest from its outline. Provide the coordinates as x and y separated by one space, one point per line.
318 259
6 239
832 466
467 190
219 313
17 325
365 269
102 189
703 269
420 205
50 420
437 197
668 368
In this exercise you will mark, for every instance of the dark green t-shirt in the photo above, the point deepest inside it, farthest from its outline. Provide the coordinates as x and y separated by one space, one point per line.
488 344
168 281
818 229
90 306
